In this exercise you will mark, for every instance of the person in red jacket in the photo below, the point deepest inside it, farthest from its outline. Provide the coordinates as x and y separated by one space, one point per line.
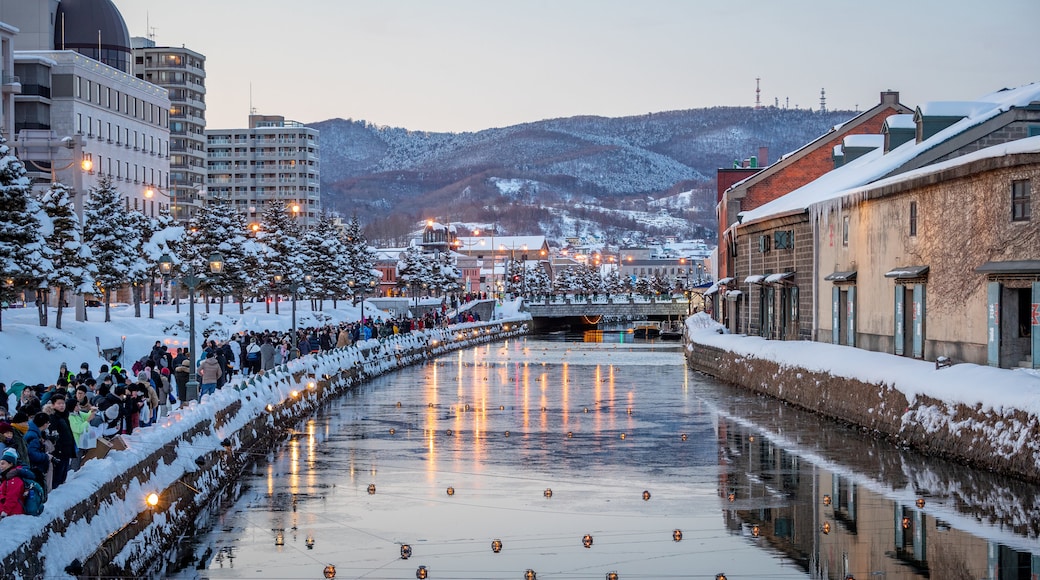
11 485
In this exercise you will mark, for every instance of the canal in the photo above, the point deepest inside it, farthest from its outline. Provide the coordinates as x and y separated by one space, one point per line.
578 456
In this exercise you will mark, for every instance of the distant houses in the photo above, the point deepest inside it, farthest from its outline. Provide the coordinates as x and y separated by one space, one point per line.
920 241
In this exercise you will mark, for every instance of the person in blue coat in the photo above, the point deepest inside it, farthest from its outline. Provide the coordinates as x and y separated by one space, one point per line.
39 459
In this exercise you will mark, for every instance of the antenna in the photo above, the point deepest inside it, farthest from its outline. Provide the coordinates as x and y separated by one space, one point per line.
758 94
823 101
148 26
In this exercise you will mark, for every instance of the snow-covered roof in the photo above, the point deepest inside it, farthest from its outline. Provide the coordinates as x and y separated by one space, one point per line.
954 108
754 279
901 122
864 140
511 243
875 164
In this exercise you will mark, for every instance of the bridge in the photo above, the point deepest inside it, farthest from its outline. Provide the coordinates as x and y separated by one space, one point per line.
588 312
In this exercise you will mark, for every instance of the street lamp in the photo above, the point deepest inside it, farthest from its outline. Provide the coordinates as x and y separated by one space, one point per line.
294 287
191 280
364 289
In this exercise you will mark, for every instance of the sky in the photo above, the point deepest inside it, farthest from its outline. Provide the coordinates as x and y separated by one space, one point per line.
467 65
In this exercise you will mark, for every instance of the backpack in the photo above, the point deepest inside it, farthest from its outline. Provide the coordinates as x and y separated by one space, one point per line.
33 498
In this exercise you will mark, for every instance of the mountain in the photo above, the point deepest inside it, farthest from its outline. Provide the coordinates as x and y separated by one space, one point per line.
612 177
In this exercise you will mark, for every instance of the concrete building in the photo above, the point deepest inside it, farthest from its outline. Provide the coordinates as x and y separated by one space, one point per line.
182 72
10 84
80 103
273 160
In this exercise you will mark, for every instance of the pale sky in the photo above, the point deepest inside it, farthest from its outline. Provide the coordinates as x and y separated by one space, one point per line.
467 65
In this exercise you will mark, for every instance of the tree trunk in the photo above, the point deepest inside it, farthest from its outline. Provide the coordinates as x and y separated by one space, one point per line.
205 299
135 290
221 308
61 306
242 303
108 305
41 305
151 298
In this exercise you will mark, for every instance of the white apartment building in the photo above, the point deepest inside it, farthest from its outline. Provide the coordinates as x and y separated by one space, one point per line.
182 72
79 101
9 85
83 110
274 160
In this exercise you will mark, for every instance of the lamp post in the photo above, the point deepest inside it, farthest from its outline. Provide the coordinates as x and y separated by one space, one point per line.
294 287
191 280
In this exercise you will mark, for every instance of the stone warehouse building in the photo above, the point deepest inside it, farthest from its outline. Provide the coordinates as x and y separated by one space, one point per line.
922 243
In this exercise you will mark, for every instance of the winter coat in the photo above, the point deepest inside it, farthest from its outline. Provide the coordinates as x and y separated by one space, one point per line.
65 443
111 408
39 460
11 489
267 356
210 371
343 340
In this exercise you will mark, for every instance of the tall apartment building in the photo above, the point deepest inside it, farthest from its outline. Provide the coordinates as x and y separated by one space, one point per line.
11 84
274 160
182 72
80 102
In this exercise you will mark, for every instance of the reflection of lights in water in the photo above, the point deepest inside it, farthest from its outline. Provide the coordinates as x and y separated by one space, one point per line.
826 499
310 542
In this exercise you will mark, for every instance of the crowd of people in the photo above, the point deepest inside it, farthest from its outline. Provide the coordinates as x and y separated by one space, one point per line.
49 430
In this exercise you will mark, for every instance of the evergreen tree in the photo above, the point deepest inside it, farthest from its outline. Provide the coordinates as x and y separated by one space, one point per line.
25 258
538 282
167 238
74 267
214 231
142 270
413 271
445 275
109 232
330 261
361 259
282 234
515 277
612 284
251 264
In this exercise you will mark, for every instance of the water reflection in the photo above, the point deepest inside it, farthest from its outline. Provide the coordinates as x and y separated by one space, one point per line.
544 442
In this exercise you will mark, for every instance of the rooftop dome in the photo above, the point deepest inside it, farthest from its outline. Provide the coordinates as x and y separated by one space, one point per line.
93 28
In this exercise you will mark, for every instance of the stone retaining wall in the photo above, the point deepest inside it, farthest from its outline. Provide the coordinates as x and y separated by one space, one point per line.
1007 443
195 465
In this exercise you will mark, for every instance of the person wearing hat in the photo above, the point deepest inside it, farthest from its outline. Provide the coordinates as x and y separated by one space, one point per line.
19 423
11 484
64 440
10 438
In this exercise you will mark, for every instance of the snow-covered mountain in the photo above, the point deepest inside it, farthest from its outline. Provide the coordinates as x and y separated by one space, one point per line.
611 175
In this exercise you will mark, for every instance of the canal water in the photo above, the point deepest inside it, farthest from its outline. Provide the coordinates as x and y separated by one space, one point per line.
578 456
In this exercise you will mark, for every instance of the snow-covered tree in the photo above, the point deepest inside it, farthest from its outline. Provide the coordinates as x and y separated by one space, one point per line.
214 229
515 282
110 234
538 283
74 267
329 260
612 284
282 234
361 259
25 258
445 275
413 271
166 239
142 270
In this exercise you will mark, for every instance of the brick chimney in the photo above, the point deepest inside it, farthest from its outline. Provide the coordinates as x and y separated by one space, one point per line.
763 156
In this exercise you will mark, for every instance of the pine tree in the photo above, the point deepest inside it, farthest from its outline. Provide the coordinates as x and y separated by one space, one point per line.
413 271
280 232
214 231
142 270
515 277
25 259
445 275
361 257
167 238
330 259
109 232
74 267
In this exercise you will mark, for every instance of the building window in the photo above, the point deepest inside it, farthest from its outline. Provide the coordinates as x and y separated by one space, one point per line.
1020 208
783 240
913 218
845 231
